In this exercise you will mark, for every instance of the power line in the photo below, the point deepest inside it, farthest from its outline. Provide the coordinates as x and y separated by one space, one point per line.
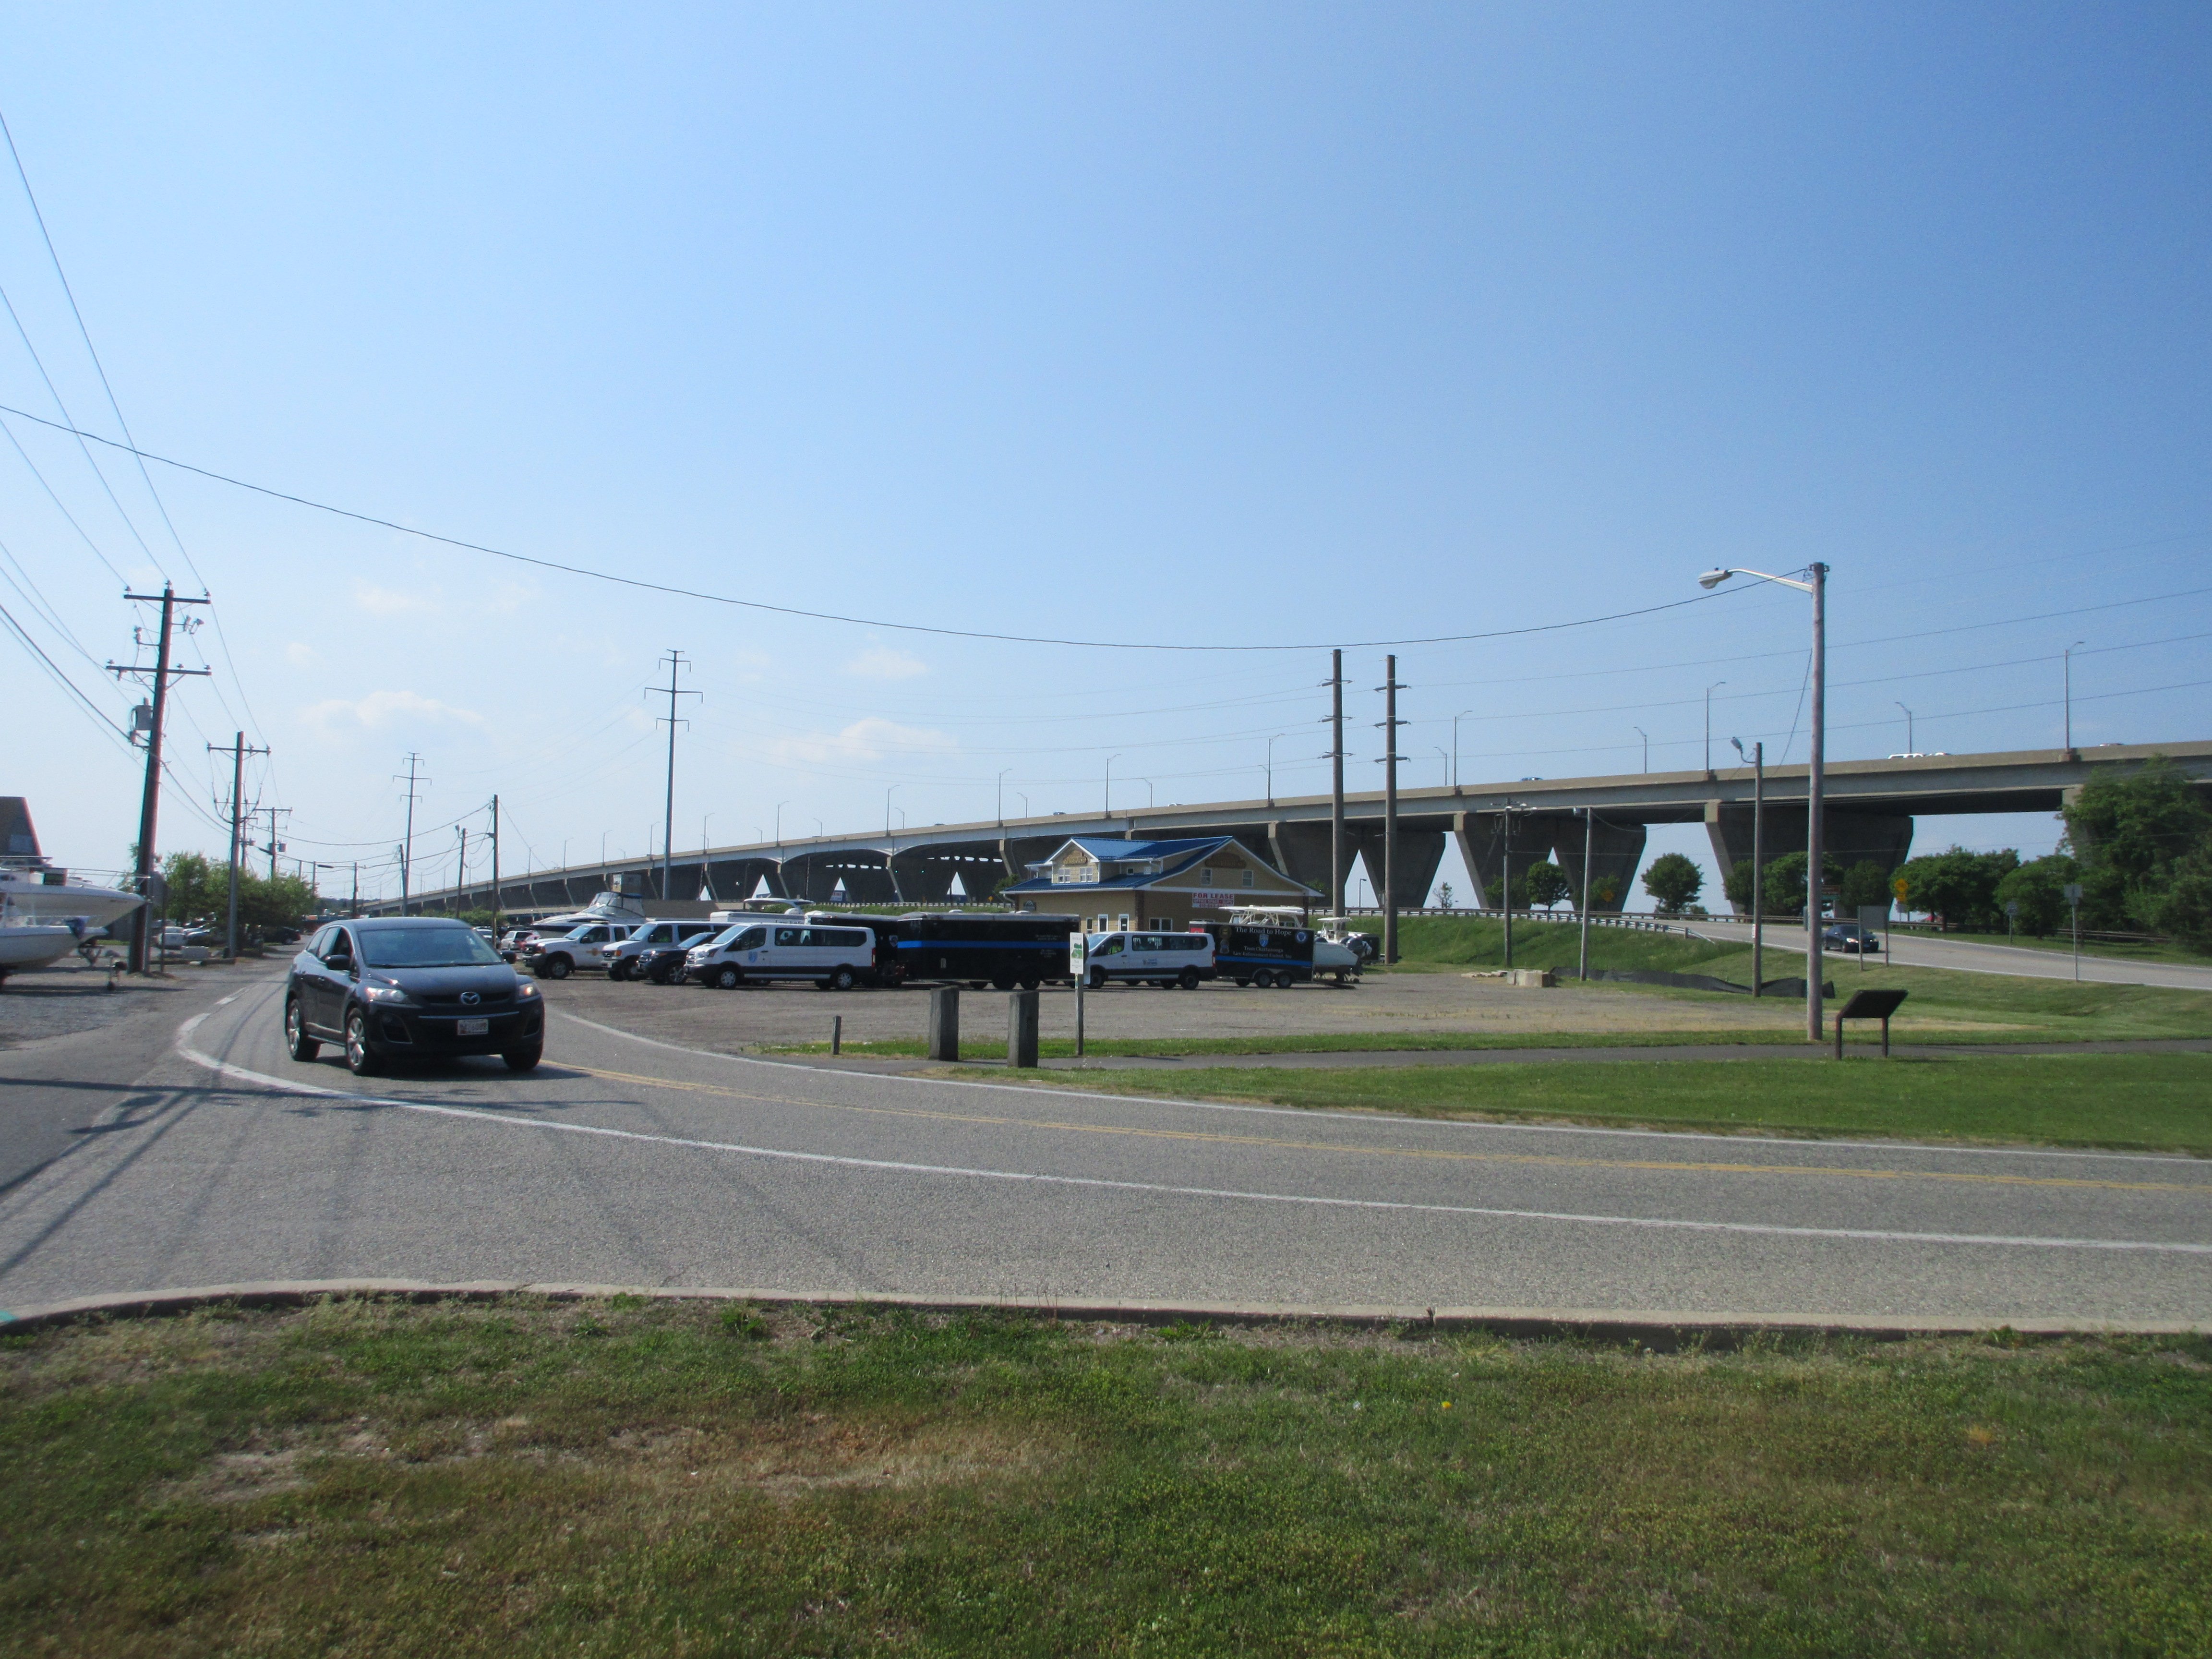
834 616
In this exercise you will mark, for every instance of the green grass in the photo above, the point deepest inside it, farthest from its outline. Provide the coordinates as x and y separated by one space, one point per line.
2168 951
1428 943
2147 1102
621 1478
1312 1042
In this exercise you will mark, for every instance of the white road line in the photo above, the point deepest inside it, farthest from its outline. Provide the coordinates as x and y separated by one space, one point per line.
1458 1125
508 1120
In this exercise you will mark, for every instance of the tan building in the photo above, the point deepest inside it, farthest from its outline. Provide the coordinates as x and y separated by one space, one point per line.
1115 885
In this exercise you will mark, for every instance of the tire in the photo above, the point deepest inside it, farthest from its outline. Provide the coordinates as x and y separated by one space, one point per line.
621 968
841 980
524 1059
1030 983
1002 985
1264 978
297 1042
558 966
1243 984
1188 979
728 978
1097 979
821 984
978 984
360 1060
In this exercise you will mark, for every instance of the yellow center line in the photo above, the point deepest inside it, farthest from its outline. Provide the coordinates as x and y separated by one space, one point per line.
1542 1159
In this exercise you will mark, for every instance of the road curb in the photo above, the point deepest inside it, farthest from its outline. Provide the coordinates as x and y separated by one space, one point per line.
1662 1332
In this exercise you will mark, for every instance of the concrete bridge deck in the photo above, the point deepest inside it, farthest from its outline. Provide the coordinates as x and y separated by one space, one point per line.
1871 808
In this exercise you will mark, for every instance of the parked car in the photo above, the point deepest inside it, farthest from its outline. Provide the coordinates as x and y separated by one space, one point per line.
835 958
623 959
582 946
410 988
1161 959
663 965
1850 937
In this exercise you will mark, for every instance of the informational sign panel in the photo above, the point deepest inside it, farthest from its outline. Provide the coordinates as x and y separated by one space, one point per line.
1079 955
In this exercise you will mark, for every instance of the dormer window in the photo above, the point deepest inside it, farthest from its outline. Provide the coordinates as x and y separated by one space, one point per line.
1248 877
1206 876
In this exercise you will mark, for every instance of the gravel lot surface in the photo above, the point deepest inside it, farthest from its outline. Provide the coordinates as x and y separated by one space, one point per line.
749 1019
70 997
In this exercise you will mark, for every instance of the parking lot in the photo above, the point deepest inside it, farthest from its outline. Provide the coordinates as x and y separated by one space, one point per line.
1405 1003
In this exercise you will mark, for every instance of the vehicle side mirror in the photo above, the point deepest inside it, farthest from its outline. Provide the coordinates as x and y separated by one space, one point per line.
338 959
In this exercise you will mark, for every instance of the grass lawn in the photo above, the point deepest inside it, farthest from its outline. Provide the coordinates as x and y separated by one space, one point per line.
613 1478
2149 1102
2106 950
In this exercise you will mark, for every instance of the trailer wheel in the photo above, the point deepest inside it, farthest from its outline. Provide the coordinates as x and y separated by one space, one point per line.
1030 983
1002 985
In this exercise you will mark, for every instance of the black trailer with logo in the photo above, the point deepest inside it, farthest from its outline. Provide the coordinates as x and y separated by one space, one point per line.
1264 956
1000 951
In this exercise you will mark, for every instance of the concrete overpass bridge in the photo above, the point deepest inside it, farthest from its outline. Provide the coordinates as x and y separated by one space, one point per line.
1871 809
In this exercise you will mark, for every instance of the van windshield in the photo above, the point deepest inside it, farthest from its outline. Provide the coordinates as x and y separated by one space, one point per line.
425 947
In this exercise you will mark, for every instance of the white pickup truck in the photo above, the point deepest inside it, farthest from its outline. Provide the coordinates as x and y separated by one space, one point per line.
588 944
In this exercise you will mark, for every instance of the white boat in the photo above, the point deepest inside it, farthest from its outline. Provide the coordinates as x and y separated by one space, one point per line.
33 947
33 893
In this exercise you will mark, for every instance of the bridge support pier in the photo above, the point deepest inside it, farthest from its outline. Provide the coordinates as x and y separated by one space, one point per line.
1616 852
1420 852
1849 836
1300 851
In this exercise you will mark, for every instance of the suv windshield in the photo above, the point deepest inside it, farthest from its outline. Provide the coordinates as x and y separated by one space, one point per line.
425 947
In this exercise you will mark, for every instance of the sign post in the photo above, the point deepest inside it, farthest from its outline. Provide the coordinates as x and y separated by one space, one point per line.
1079 967
2012 919
1903 889
1872 917
2073 903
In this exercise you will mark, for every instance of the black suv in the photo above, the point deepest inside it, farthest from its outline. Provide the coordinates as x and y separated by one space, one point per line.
412 987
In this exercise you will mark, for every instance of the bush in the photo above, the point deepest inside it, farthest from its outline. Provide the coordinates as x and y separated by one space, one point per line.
1864 884
1960 887
2132 836
1544 884
1785 882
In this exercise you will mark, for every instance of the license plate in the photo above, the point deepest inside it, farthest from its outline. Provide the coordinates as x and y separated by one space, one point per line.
471 1027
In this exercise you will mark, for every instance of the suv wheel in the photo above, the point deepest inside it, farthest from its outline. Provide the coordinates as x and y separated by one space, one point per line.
524 1059
360 1060
297 1042
619 968
557 967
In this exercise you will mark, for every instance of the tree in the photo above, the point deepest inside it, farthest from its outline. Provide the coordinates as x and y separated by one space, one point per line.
2039 887
2186 908
1444 896
1673 882
1736 886
1544 884
198 887
1785 882
2128 834
1864 884
1960 887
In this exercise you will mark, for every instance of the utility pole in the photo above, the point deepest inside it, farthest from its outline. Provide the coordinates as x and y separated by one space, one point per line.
675 661
1508 883
1335 757
1390 688
1590 852
494 870
275 846
413 779
238 752
150 800
1759 858
461 874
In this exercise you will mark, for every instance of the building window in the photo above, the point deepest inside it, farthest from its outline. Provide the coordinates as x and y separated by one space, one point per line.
1248 877
1206 877
1125 925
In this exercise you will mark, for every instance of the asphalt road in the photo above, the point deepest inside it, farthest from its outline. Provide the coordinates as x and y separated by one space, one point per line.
217 1159
1918 950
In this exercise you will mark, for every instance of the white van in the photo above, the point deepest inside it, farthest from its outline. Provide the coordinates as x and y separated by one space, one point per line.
1161 959
835 958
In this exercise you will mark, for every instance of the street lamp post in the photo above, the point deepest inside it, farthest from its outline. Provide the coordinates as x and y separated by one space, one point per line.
2069 656
1757 860
1272 742
1710 690
1646 736
1909 748
1457 719
1002 796
1110 759
1815 780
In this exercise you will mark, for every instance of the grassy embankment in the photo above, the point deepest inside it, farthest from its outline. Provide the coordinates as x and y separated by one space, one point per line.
2169 951
620 1478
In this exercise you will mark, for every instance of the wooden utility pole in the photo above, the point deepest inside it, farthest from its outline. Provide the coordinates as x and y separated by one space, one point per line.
1390 688
494 870
238 751
413 779
149 800
1336 859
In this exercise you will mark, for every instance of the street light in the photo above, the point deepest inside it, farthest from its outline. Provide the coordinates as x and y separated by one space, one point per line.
1272 742
1457 719
1814 778
890 859
1646 736
1439 748
1110 759
1758 759
1909 748
1002 795
2068 654
1710 690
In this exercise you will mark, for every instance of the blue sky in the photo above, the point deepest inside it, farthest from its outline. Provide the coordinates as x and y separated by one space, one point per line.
1220 324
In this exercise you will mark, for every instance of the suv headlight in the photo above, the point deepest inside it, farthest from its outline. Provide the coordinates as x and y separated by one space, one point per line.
386 995
524 990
